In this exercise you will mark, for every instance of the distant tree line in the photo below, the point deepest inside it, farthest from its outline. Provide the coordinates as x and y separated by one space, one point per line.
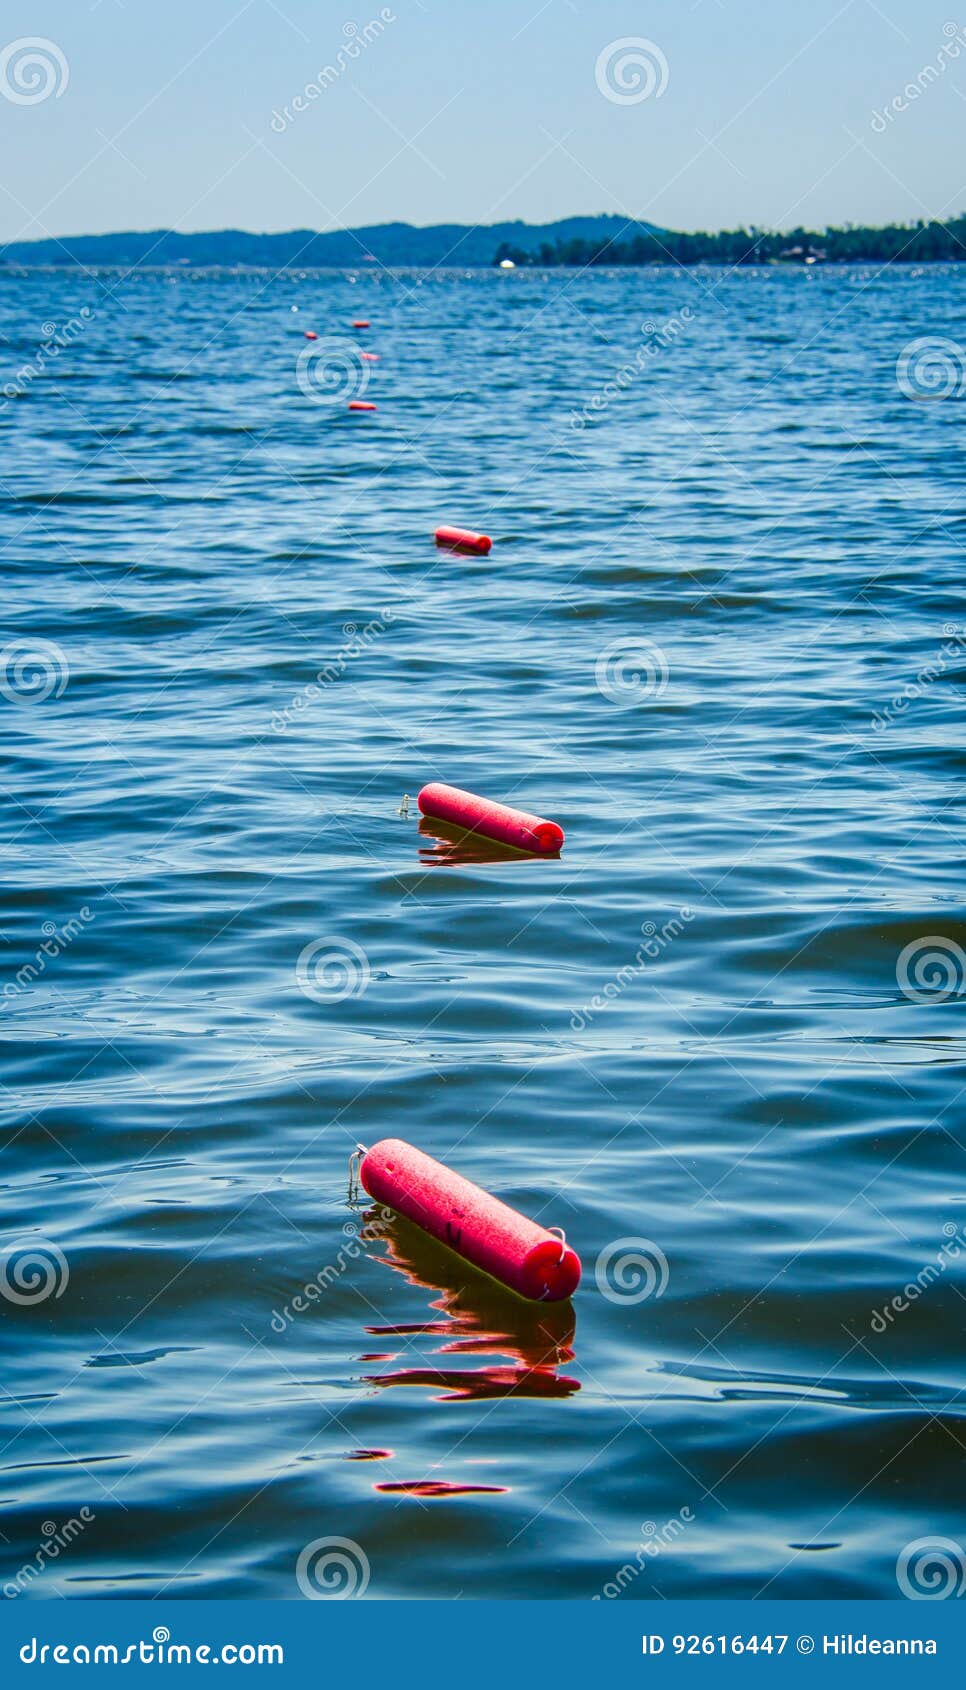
912 243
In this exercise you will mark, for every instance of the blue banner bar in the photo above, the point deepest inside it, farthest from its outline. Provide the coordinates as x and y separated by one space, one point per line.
493 1645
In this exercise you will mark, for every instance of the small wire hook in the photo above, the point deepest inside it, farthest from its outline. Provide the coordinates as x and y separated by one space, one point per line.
355 1163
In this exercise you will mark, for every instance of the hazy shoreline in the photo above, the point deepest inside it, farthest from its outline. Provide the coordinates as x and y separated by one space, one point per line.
608 241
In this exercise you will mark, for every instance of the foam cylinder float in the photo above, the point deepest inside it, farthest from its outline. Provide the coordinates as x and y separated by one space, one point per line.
369 357
360 323
520 1254
463 540
361 405
495 821
310 334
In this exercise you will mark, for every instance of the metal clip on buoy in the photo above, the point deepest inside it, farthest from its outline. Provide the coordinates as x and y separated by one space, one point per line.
355 1163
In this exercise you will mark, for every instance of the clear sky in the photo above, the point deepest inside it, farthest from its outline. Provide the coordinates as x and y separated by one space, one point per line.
478 110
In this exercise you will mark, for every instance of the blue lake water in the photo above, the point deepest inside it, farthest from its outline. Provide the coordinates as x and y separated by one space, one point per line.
721 639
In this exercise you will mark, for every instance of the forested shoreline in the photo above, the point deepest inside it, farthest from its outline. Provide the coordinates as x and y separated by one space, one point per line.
910 243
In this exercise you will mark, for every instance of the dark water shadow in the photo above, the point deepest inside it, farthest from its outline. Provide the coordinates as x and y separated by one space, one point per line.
477 1320
456 847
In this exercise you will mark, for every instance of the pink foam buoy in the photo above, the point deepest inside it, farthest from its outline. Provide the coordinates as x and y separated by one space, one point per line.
528 1258
369 357
360 323
463 540
496 821
361 405
310 334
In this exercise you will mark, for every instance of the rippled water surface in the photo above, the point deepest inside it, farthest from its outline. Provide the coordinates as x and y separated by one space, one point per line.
719 1041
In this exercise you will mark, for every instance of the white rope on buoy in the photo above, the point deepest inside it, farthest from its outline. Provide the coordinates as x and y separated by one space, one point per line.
558 1232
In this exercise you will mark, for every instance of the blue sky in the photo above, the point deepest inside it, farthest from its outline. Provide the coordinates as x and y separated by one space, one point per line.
479 110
